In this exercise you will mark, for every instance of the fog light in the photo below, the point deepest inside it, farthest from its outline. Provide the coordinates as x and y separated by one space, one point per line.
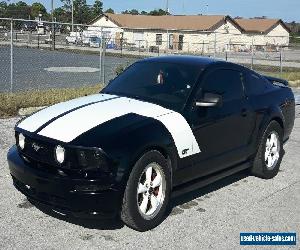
21 141
59 154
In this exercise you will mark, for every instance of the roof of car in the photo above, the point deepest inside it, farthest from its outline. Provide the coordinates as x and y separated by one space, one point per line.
194 60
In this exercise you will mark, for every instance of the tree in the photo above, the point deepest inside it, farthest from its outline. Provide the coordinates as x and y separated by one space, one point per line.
159 12
18 10
38 8
97 9
66 10
3 8
61 15
82 12
110 10
131 12
144 13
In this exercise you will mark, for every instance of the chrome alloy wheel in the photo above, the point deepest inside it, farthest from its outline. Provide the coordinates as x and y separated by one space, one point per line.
151 191
272 150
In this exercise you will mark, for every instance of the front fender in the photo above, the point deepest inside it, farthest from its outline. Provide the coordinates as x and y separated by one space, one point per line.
125 139
154 136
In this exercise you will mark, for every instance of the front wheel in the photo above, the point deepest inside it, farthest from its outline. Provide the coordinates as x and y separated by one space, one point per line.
147 192
270 152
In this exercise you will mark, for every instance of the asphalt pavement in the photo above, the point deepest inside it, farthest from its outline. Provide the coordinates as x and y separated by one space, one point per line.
208 218
33 69
38 69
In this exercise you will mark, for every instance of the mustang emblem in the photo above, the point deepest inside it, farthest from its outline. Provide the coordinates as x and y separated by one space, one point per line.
36 147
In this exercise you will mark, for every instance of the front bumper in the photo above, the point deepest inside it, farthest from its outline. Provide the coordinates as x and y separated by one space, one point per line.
78 197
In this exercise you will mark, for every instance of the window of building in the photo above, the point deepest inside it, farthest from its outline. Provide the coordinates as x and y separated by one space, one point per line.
158 39
171 41
180 43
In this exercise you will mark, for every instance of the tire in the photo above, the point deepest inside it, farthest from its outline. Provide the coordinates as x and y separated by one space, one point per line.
142 191
264 165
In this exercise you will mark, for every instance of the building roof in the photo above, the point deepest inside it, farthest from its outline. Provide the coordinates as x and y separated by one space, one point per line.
204 23
259 25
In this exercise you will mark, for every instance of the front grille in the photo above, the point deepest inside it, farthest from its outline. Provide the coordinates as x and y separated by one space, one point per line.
39 151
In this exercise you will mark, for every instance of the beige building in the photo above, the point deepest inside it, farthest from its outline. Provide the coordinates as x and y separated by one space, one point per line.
200 34
264 33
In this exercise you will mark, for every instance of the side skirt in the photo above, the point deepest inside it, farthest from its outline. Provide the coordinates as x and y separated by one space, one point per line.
204 181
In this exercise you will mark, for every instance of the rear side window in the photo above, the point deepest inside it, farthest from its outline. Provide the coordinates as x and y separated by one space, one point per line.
224 82
256 85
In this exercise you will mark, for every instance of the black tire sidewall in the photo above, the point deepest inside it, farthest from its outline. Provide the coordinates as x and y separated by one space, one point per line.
140 222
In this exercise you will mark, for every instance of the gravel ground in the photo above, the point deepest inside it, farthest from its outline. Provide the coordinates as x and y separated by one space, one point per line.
211 217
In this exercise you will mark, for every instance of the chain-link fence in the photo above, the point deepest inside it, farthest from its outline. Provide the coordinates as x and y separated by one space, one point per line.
37 55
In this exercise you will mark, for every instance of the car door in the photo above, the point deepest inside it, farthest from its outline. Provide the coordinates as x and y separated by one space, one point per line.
222 132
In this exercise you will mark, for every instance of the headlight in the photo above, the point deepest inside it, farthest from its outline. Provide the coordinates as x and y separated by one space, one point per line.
59 154
21 140
92 158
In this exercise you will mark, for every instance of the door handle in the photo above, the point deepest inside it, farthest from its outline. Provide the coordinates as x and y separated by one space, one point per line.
244 112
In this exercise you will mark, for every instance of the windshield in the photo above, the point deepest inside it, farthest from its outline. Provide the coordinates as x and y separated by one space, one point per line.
166 84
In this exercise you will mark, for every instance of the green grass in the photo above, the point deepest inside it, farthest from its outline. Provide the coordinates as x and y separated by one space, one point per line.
290 76
10 103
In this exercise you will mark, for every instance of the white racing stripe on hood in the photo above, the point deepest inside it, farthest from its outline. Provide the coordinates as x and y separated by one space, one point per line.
35 121
73 124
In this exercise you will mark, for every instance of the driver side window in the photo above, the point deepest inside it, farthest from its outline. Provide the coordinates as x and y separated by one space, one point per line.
224 82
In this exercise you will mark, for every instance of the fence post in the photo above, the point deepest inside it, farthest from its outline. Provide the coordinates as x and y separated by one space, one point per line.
103 60
11 56
38 35
100 56
121 42
168 42
281 60
252 53
139 47
215 46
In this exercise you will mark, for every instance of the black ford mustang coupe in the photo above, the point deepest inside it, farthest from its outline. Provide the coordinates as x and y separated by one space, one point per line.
165 125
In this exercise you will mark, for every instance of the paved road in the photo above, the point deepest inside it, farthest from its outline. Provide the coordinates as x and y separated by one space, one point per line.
30 69
209 218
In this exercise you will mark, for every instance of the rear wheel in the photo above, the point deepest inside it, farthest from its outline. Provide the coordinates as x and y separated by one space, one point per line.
147 192
270 152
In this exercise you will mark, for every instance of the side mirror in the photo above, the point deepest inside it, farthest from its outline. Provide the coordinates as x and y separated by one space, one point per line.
209 100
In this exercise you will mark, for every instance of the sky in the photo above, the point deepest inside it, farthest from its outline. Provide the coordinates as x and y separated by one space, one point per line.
288 10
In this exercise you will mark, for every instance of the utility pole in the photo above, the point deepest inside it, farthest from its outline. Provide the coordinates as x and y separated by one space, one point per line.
167 6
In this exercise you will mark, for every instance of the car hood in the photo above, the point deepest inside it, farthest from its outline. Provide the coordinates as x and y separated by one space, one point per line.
68 120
